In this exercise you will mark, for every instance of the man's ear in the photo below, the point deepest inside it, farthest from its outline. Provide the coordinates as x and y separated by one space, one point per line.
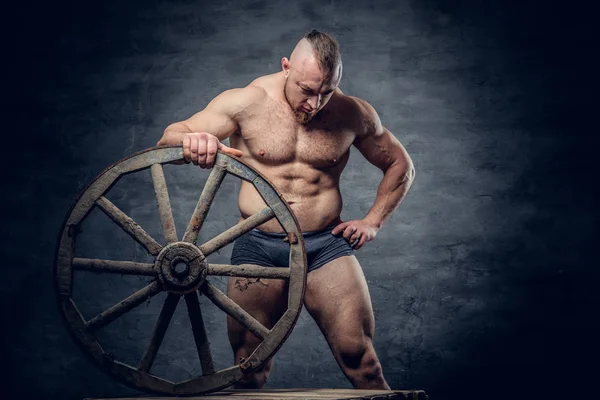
285 65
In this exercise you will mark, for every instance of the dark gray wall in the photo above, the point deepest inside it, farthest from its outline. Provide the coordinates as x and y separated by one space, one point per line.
483 282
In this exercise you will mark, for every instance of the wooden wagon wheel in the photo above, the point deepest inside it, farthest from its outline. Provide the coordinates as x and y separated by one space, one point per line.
181 269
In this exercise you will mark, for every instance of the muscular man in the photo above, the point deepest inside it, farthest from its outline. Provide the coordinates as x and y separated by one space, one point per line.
296 127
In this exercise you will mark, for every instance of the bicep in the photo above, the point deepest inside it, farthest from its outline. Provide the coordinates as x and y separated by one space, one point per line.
382 149
379 146
218 118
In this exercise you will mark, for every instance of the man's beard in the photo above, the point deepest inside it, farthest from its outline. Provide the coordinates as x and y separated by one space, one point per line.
301 116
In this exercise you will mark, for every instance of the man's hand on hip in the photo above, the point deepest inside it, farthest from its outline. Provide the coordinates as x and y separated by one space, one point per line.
200 148
356 232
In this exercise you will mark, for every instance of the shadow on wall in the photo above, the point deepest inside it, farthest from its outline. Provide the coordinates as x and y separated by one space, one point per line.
536 333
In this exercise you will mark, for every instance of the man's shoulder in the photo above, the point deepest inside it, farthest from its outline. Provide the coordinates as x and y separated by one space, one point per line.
351 103
362 114
255 93
362 106
248 94
357 107
238 99
266 83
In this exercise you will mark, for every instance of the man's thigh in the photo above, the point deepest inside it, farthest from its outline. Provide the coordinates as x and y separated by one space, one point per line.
264 299
338 299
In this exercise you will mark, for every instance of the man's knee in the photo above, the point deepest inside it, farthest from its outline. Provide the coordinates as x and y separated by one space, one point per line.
371 367
351 353
359 359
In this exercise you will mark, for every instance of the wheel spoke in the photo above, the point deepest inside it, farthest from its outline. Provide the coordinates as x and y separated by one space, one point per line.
235 311
200 337
206 198
111 266
248 271
129 225
159 332
236 231
123 306
164 204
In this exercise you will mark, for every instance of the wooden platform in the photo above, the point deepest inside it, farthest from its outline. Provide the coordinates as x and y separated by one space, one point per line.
299 394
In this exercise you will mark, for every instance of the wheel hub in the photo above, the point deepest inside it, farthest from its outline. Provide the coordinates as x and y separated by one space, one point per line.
181 267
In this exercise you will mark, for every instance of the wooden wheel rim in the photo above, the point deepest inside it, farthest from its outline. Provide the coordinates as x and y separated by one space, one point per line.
66 263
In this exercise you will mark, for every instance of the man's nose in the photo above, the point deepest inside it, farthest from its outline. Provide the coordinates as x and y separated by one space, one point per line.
314 102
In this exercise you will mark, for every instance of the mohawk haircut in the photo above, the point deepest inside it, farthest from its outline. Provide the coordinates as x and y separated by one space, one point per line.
326 50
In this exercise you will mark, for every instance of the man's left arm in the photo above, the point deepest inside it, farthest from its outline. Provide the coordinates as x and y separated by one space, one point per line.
383 150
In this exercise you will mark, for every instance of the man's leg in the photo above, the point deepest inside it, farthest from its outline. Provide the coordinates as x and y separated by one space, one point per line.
264 299
338 299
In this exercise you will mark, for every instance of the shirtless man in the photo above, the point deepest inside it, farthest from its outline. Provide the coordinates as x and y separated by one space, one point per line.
296 127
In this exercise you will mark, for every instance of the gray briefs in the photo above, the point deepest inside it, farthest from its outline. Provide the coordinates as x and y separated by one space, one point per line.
269 249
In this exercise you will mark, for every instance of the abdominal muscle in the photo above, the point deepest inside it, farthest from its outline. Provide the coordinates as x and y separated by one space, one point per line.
315 205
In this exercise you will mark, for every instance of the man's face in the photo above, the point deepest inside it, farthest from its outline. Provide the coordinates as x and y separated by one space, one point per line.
307 90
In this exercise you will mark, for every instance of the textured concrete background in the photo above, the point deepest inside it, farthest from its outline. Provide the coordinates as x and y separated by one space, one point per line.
483 282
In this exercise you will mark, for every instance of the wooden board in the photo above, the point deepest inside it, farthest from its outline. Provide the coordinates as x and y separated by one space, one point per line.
304 394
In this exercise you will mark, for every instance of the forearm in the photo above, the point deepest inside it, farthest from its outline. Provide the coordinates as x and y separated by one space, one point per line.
391 191
174 134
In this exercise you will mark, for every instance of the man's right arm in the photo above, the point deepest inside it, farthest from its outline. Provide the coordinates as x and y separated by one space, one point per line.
200 135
